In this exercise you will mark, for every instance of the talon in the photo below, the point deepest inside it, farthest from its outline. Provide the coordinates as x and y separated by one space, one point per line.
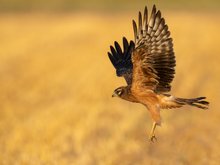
153 138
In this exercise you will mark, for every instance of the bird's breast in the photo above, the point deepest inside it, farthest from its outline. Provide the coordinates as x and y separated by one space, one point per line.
146 97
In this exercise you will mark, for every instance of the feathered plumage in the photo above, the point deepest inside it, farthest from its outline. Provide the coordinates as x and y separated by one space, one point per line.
121 60
148 66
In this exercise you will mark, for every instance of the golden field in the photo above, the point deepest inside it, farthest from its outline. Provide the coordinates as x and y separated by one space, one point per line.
56 84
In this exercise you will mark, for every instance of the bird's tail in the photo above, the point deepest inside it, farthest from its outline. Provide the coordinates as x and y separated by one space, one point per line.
198 102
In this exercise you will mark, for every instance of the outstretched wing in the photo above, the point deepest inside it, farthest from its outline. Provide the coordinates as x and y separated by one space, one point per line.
153 57
121 60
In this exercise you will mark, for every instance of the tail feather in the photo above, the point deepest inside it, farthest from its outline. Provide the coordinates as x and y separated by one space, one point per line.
199 102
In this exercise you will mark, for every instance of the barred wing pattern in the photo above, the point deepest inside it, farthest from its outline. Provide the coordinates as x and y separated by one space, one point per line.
153 57
121 60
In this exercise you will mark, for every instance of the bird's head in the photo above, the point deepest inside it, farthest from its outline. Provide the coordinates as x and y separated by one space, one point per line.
119 92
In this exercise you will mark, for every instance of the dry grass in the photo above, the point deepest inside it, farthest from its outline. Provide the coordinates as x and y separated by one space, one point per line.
56 83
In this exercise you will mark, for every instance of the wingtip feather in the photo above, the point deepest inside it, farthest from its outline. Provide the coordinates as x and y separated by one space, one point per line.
135 30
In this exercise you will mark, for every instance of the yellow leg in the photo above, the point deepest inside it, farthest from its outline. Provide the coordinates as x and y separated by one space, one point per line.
152 137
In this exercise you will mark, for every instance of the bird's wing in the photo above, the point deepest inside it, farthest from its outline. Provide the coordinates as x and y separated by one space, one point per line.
153 57
121 60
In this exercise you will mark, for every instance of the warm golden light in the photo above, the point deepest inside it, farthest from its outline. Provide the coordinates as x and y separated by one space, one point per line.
56 84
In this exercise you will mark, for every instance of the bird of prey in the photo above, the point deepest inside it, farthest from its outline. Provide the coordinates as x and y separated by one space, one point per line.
148 66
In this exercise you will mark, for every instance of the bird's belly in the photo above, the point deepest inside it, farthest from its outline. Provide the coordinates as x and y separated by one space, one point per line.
146 97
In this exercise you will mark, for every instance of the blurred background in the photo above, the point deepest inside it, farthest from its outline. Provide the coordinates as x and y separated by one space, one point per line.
56 84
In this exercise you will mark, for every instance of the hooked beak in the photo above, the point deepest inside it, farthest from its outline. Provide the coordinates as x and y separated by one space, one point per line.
114 95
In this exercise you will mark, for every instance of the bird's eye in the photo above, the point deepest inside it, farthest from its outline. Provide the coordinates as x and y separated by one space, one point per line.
119 92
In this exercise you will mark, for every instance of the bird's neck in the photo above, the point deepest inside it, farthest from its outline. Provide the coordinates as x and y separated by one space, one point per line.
128 95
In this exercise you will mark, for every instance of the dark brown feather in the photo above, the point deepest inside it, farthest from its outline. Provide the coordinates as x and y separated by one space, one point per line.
121 60
154 50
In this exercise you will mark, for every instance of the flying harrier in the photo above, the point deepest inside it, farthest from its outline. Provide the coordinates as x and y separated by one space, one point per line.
147 64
